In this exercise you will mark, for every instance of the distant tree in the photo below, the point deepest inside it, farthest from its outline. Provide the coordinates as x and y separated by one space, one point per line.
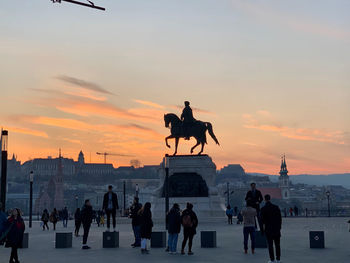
135 163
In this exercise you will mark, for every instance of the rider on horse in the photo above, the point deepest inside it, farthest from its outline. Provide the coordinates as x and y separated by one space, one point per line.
187 119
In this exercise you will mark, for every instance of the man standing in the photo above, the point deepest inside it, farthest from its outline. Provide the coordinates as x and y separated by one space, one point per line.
187 118
86 219
136 221
255 197
65 216
272 222
110 206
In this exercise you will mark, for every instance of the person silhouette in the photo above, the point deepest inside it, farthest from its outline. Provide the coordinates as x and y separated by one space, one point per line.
187 119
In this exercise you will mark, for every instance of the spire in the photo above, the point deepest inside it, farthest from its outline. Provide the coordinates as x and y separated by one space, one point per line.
281 163
284 162
60 155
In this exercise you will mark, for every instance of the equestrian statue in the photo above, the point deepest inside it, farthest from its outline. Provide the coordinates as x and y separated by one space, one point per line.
188 127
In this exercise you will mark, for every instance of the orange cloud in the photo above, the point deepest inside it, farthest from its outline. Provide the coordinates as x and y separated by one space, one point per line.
304 134
28 131
149 103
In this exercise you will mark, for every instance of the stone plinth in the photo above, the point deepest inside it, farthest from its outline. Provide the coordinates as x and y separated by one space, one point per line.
191 179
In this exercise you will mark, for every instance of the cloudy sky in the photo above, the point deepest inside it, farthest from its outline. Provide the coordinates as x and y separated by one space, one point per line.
271 76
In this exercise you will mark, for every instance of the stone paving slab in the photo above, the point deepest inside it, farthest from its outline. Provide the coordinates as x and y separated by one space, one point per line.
295 245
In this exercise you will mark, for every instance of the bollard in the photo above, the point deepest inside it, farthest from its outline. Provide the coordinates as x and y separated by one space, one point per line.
158 239
316 239
208 239
64 240
110 239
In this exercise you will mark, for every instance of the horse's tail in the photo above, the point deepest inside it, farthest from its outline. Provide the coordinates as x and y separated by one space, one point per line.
210 130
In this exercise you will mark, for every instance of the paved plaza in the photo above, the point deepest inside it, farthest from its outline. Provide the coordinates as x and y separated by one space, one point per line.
295 244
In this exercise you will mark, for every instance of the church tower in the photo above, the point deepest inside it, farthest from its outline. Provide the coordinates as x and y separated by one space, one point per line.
81 159
284 179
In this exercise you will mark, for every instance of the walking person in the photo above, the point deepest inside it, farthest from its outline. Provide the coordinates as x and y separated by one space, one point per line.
54 218
45 219
86 220
65 217
229 214
249 213
256 198
77 221
189 222
15 235
174 227
146 226
272 223
291 211
110 206
296 211
136 221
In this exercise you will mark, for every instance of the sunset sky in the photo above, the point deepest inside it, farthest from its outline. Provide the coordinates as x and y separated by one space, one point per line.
272 77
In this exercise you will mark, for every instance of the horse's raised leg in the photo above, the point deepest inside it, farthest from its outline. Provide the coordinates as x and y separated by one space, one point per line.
176 144
195 146
201 149
166 140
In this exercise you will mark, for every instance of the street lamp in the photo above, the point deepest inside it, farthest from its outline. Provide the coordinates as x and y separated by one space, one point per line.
4 143
76 201
329 207
166 187
137 190
31 180
124 198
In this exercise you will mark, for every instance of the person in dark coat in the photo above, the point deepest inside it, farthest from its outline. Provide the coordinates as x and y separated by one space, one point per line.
65 217
15 235
189 222
272 223
86 220
146 226
136 221
188 120
229 214
174 227
255 197
77 221
110 206
45 219
54 218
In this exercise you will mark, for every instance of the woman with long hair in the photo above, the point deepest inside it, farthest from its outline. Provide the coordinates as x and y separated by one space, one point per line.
146 226
15 235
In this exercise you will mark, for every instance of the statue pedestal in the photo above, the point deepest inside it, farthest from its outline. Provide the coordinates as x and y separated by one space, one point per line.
191 179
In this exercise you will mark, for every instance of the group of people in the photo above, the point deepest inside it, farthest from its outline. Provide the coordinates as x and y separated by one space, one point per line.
12 231
269 221
54 217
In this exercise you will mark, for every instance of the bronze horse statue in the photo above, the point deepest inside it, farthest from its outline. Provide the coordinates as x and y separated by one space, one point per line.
197 130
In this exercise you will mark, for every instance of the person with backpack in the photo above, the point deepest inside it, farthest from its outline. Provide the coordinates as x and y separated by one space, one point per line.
229 214
189 222
14 237
77 221
174 227
146 226
45 219
249 214
54 218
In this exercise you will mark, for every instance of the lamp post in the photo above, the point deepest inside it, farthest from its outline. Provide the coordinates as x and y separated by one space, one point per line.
124 196
31 180
4 142
329 206
137 190
76 201
166 187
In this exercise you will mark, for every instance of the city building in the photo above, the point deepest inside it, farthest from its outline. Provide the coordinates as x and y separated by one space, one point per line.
284 180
